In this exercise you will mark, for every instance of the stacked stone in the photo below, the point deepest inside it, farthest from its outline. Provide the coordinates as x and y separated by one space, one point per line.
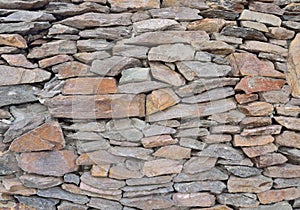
149 104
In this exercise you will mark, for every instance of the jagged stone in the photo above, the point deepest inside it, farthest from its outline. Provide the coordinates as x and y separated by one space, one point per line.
198 4
14 40
199 164
208 24
259 150
221 151
23 27
245 33
290 111
213 174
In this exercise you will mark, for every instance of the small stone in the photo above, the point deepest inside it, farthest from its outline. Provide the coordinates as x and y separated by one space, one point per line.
100 203
68 205
280 33
39 182
238 200
269 160
18 60
156 141
289 139
8 164
141 87
37 202
259 84
255 25
152 130
148 202
14 40
227 39
194 199
170 53
90 45
275 96
100 170
242 141
257 46
283 171
198 4
215 47
231 129
62 29
176 13
245 33
89 57
55 163
252 122
90 86
243 171
199 164
101 183
192 143
72 178
289 122
161 167
139 153
259 150
129 134
173 152
267 130
213 174
292 111
221 151
111 33
215 138
273 196
260 17
257 109
209 25
47 62
53 48
89 20
254 184
48 136
121 173
135 75
156 24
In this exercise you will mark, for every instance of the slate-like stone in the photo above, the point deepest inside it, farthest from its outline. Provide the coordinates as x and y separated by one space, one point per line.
222 151
89 57
289 122
40 182
245 33
269 159
38 203
139 52
156 24
174 152
214 46
194 199
273 196
23 27
257 109
216 138
139 153
192 143
216 187
243 171
198 4
289 139
18 60
252 140
161 167
280 33
104 204
141 87
254 184
136 4
257 46
213 174
156 141
238 200
65 205
111 33
149 181
151 202
252 122
255 25
55 163
90 45
199 164
176 13
8 164
289 110
260 17
276 206
101 183
72 69
171 53
266 130
266 8
230 129
210 25
283 171
259 150
14 40
28 16
122 173
280 183
232 116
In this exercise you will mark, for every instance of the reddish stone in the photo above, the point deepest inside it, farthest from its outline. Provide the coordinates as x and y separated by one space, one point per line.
157 141
269 160
160 167
257 109
259 84
289 139
209 25
54 60
87 86
274 196
252 122
242 141
72 69
55 163
259 150
14 40
245 98
18 60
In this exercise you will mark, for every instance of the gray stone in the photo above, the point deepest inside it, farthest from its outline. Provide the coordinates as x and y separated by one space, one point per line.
198 4
199 164
28 16
149 181
98 157
219 129
141 87
216 138
215 187
153 130
192 143
90 45
238 200
267 130
222 151
72 178
101 183
35 4
243 171
130 134
289 122
227 39
39 182
100 203
255 25
135 75
89 57
58 193
213 174
176 13
62 29
17 94
139 52
276 206
86 126
148 190
245 33
139 153
90 146
84 135
156 24
260 17
8 164
38 203
65 205
148 202
291 24
192 132
285 183
111 33
161 167
24 27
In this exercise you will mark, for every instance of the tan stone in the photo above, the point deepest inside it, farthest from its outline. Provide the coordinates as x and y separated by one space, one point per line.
269 160
257 46
13 186
194 199
72 69
160 100
210 25
266 130
48 136
274 196
198 4
289 122
18 60
161 166
97 107
98 157
157 141
255 25
14 40
259 84
90 86
283 171
257 109
281 33
260 17
254 184
289 110
241 141
293 72
120 172
252 122
173 152
218 207
214 46
56 163
246 98
54 60
199 164
100 170
289 139
259 150
134 4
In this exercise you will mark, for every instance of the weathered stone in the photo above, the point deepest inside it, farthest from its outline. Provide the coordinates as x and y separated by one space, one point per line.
173 152
129 134
139 52
244 162
213 174
89 57
90 146
216 207
195 123
37 202
257 46
199 164
58 193
194 199
216 187
47 62
72 69
272 56
285 183
209 25
214 46
259 84
255 25
216 138
135 75
273 196
119 172
156 24
192 143
289 122
293 71
252 140
289 139
233 116
269 160
248 64
220 13
89 86
267 130
136 4
266 8
276 96
149 181
176 13
221 151
227 39
231 129
161 167
39 182
192 132
89 20
257 109
288 110
8 164
88 107
260 17
18 60
55 163
14 40
139 153
62 29
53 48
171 53
136 191
28 16
283 171
252 122
291 24
291 153
48 136
100 170
68 205
245 33
156 141
259 150
276 206
90 45
72 178
111 33
148 202
243 171
23 27
238 200
192 69
254 184
280 33
153 130
13 186
101 183
104 204
141 87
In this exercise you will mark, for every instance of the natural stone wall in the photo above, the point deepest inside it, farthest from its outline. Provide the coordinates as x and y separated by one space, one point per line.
149 104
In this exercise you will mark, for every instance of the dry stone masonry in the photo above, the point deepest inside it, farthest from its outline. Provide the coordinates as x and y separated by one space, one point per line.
149 104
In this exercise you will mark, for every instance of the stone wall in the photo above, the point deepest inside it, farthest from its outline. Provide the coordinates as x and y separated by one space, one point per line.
149 104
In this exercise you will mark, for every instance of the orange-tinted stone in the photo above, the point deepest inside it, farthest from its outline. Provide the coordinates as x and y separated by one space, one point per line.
259 150
157 141
48 136
274 196
100 170
250 141
14 40
173 152
54 60
246 98
72 69
210 25
257 109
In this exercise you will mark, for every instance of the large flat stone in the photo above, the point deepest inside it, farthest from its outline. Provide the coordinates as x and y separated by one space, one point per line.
260 17
283 171
135 4
148 202
156 24
194 199
273 196
23 27
198 4
35 4
257 46
254 184
289 122
161 167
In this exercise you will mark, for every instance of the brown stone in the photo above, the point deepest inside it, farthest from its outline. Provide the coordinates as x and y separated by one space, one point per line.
160 100
248 64
289 139
194 199
252 122
289 122
99 192
14 40
199 164
254 184
288 110
72 69
217 207
160 167
14 76
135 4
101 183
269 160
13 186
259 150
198 4
56 163
90 86
259 84
210 25
260 17
293 72
214 46
18 60
257 109
246 98
157 141
54 60
265 7
173 152
257 46
274 196
267 130
283 171
281 33
48 136
120 172
100 170
241 141
97 107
